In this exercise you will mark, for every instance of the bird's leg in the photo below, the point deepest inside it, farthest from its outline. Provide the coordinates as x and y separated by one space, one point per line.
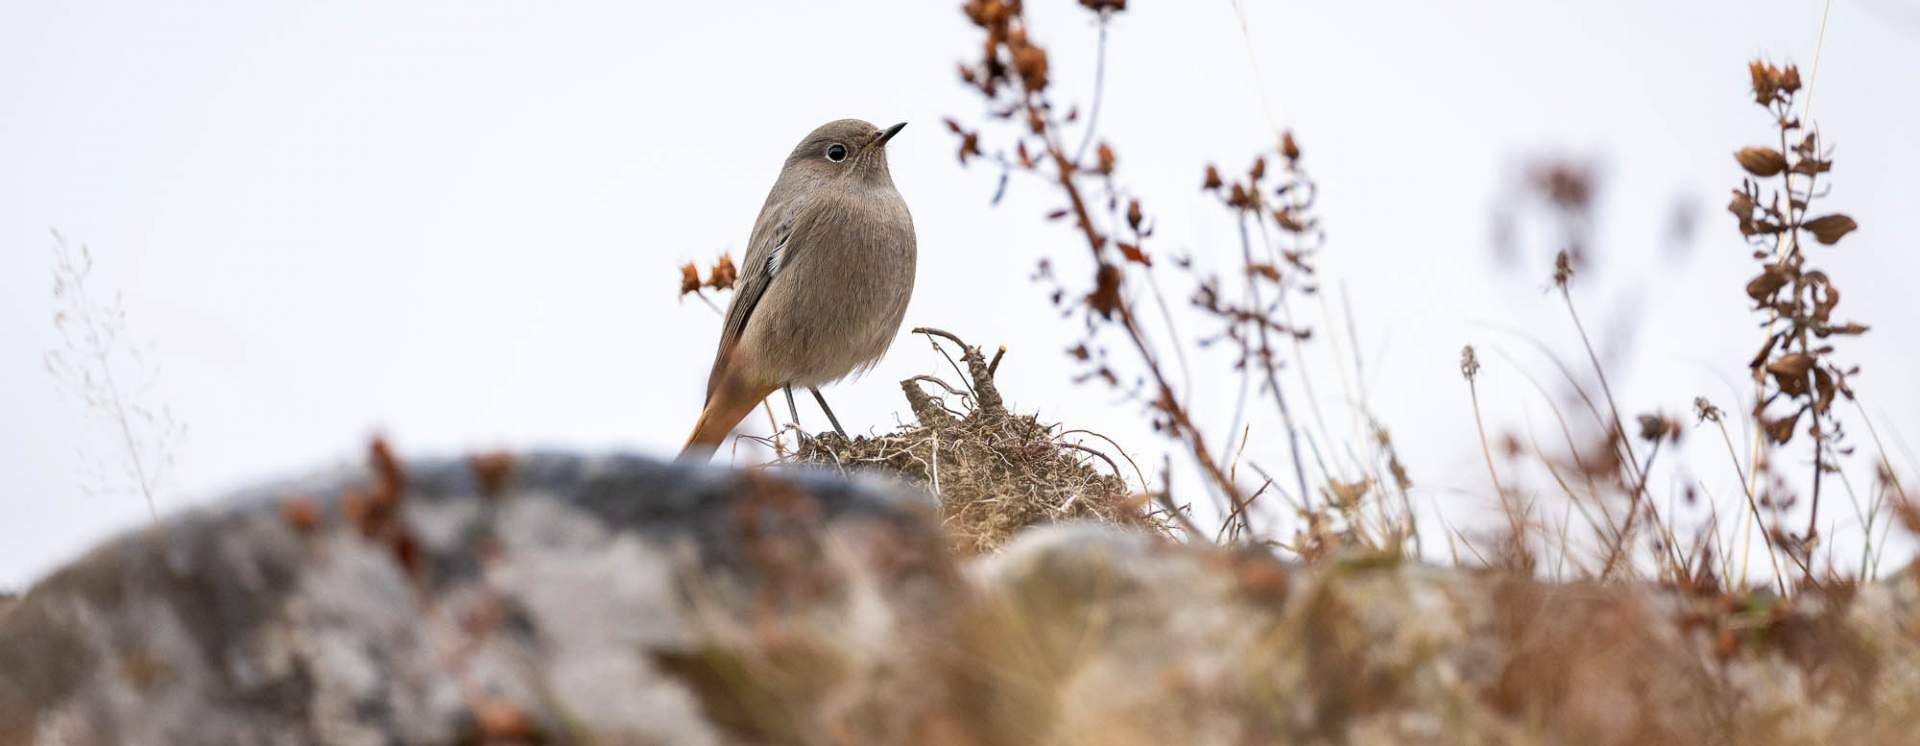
792 411
829 410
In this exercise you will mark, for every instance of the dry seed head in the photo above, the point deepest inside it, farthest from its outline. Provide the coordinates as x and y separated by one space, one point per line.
1766 80
1657 427
689 278
723 274
1469 363
1562 269
1789 79
1213 179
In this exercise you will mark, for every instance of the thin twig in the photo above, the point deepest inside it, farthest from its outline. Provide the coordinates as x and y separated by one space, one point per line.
1273 376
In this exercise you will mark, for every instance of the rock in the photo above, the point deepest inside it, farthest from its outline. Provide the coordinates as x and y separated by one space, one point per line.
1098 637
559 599
545 598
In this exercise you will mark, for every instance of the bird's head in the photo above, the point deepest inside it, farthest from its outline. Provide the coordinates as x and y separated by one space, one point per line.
844 148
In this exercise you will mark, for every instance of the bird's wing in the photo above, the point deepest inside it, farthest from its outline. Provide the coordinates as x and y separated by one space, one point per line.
767 250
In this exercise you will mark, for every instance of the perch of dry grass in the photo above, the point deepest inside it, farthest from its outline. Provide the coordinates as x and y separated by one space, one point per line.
994 471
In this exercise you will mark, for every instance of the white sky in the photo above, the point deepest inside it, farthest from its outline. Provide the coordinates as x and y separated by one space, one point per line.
458 222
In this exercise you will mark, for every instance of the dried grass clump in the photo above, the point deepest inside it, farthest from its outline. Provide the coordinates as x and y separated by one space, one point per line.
994 472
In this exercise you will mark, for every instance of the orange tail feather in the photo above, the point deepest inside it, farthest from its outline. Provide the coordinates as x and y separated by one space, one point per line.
729 404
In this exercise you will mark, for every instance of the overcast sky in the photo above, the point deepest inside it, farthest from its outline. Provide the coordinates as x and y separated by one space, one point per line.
458 222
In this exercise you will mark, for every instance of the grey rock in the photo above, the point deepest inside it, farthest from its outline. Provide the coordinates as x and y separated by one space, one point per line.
607 600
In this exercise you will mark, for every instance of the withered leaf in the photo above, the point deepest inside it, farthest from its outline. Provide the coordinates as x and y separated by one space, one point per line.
1768 282
1789 372
1849 329
1808 145
1741 206
1828 229
1133 214
1761 161
1134 254
1766 349
1105 298
1811 166
1288 148
1781 430
1057 214
1105 154
1213 179
969 146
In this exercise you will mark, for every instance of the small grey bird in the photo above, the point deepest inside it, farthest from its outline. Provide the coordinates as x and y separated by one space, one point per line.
828 272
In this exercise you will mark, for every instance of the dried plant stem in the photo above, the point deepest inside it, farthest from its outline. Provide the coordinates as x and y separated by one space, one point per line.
123 424
1892 478
702 295
1566 434
1880 448
773 426
1182 422
1273 375
1606 389
1573 501
1299 353
1792 238
1137 473
101 331
1753 506
1621 547
1819 44
1099 87
1514 521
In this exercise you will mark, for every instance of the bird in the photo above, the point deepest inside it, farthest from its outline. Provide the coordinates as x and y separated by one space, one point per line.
825 283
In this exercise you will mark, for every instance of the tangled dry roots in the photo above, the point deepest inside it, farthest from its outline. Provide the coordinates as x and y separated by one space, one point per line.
995 472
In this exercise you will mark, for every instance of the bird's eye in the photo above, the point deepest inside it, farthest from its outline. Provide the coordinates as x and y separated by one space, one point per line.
836 152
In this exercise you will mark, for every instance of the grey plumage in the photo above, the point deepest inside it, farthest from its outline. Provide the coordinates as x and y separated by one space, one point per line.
825 283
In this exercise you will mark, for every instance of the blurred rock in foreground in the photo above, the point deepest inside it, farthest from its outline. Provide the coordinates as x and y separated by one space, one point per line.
556 599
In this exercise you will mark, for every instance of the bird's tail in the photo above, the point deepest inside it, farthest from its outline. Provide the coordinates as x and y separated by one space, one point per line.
729 404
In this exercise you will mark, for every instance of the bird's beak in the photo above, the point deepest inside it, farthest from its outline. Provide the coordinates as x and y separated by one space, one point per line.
888 133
